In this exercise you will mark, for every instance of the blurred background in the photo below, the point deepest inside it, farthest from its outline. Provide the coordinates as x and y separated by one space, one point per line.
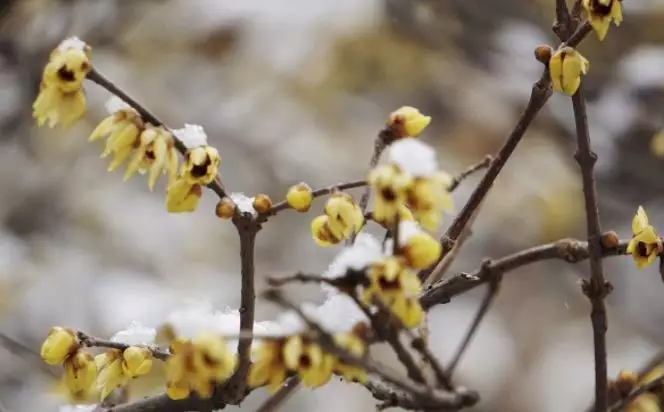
297 90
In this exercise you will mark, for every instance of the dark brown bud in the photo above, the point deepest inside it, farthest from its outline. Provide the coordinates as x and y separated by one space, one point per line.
225 208
262 203
610 240
543 54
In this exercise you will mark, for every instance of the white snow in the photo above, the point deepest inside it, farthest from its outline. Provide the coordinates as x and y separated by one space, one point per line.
192 135
135 334
413 157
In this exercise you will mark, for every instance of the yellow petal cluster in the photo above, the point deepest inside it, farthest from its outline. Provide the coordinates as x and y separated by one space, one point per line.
313 365
566 67
200 168
118 367
60 344
197 365
420 250
601 13
61 99
426 197
397 287
80 372
342 219
407 121
645 244
356 346
269 367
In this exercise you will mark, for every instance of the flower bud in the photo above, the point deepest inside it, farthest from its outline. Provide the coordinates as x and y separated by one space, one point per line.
59 345
299 197
80 372
421 250
408 122
610 240
566 67
626 382
262 203
225 208
137 361
543 53
321 233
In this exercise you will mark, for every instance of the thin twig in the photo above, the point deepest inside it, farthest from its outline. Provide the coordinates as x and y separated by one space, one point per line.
283 394
350 279
541 91
162 403
569 250
650 386
92 342
483 164
596 288
278 207
563 23
492 291
98 78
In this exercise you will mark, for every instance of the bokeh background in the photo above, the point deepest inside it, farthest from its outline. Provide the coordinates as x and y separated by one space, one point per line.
296 90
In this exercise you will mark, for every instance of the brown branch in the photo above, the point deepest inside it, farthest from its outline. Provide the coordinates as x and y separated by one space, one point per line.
492 291
649 387
348 280
92 342
98 78
443 400
439 400
562 26
541 91
569 250
283 394
247 229
162 403
383 140
483 164
283 205
596 288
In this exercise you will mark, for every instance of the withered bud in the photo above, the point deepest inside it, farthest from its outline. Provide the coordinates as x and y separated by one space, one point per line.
543 54
610 240
225 208
625 383
262 203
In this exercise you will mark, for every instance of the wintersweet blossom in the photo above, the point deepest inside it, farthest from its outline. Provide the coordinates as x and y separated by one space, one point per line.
156 154
61 98
601 13
645 244
299 197
59 345
407 121
419 248
566 67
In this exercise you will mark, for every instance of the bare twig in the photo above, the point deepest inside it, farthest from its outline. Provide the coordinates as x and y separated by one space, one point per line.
492 291
349 280
483 164
98 78
283 394
162 403
278 207
650 386
92 342
569 250
563 23
596 288
440 400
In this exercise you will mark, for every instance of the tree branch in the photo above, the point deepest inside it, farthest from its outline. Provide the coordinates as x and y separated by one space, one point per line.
283 394
162 403
596 288
91 341
278 207
649 387
569 250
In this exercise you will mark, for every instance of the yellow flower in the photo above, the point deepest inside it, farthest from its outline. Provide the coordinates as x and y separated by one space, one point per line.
269 368
212 358
321 232
657 144
56 107
345 217
645 244
299 197
601 13
111 374
566 67
201 165
182 196
156 152
80 372
390 186
313 365
429 198
137 361
648 402
67 66
196 365
355 346
421 250
59 345
408 121
396 287
123 129
61 98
